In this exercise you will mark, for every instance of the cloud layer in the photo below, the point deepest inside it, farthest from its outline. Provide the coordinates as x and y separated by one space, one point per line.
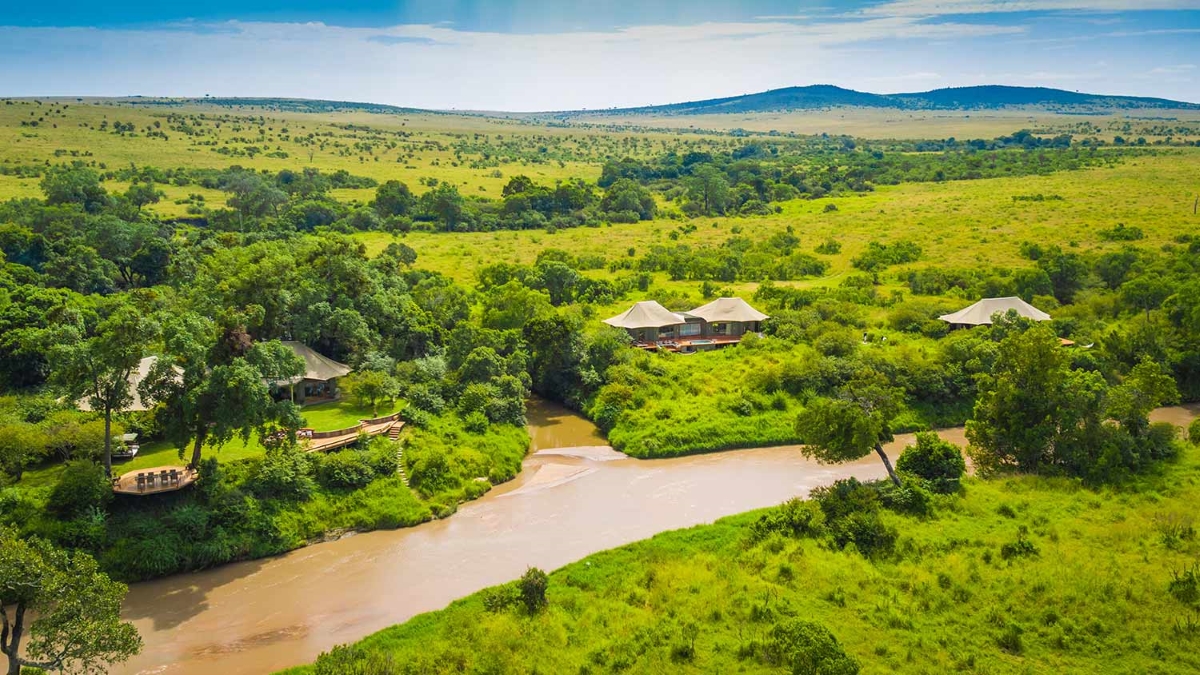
898 45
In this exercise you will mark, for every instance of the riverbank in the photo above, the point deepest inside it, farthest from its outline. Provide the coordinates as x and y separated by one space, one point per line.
976 587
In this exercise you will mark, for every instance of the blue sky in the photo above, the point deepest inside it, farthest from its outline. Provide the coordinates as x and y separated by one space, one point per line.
545 54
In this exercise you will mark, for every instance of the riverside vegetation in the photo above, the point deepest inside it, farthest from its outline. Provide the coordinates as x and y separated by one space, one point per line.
461 269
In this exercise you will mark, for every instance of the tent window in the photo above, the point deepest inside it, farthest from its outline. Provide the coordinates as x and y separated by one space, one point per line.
690 329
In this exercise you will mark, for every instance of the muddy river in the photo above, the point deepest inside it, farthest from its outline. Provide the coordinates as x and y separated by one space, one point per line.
575 496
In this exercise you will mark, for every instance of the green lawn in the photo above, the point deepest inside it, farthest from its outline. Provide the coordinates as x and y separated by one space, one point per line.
344 413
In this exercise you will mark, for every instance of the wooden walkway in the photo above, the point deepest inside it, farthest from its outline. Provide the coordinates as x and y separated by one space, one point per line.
330 440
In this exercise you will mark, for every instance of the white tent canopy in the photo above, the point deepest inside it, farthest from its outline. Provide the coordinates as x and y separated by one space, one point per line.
646 314
728 309
980 313
317 366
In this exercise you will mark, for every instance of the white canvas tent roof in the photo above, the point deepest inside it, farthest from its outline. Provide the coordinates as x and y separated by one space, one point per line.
646 314
135 378
980 313
317 366
728 309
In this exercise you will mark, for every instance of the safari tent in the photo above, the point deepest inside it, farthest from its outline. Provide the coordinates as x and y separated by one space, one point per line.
733 317
320 374
648 322
981 313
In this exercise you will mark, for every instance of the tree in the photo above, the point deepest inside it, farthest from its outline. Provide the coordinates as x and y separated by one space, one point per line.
78 627
96 362
370 387
213 385
851 425
1146 292
393 198
75 185
1033 411
627 196
932 459
709 189
1145 388
142 194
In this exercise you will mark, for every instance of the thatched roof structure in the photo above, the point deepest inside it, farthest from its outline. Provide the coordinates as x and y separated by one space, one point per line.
980 313
728 309
317 366
646 314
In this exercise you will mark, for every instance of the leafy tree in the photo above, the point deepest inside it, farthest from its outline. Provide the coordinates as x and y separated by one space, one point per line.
709 190
851 425
808 648
370 387
627 196
1146 292
1145 388
1034 412
558 280
937 461
96 361
82 487
213 384
533 586
75 185
142 194
393 198
78 627
21 444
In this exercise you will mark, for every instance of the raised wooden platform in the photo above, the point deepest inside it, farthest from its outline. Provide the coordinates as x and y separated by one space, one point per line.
691 344
321 441
128 484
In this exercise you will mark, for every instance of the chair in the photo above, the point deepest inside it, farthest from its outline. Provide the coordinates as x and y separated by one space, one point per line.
149 478
164 478
174 477
141 482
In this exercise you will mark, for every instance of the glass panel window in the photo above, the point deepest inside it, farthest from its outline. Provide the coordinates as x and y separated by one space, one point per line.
689 329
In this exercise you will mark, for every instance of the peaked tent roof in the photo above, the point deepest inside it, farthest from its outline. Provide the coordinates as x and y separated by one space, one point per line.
135 379
317 366
646 314
728 309
980 313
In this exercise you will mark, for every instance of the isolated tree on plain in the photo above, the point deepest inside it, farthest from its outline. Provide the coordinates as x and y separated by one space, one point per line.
94 362
73 608
213 384
142 194
853 423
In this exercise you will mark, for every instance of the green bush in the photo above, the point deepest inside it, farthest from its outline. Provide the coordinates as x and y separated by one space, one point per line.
794 518
1194 432
285 473
935 461
81 487
347 469
533 586
808 648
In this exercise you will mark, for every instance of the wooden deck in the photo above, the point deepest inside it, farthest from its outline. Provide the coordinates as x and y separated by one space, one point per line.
320 441
127 484
691 344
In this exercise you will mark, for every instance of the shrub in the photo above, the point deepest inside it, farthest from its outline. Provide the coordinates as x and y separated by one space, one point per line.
794 518
867 531
345 469
935 461
1185 586
1021 548
285 473
910 498
808 648
500 598
1194 432
81 487
844 497
533 589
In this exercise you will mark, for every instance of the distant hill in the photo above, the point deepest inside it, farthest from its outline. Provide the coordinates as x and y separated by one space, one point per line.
957 98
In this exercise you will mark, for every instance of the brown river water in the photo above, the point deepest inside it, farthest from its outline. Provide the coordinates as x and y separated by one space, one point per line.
574 497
